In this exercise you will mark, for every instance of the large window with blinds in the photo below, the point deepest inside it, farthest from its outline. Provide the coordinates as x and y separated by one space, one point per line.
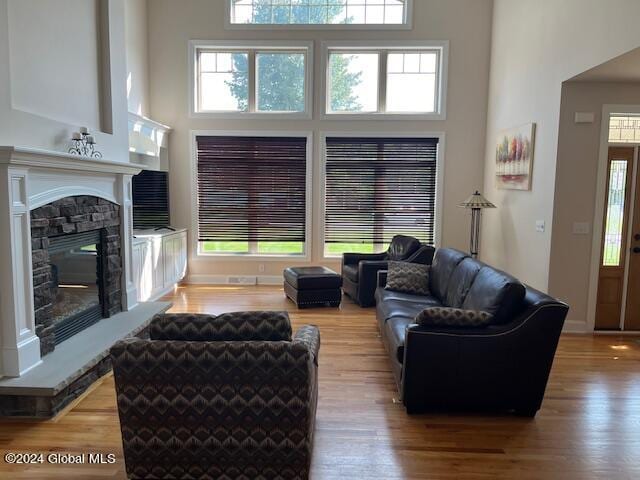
376 188
252 195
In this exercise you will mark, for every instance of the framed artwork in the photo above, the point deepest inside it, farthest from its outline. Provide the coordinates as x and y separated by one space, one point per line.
514 157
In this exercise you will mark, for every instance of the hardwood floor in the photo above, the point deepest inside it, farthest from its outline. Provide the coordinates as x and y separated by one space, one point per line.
589 426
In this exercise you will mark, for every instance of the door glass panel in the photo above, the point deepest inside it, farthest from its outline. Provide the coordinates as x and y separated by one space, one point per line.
615 213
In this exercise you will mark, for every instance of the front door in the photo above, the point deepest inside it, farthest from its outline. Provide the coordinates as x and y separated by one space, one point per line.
611 281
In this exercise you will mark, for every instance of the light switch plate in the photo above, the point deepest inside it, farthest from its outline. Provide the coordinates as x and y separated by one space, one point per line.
581 228
540 226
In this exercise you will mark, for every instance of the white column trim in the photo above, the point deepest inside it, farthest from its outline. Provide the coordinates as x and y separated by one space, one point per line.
19 342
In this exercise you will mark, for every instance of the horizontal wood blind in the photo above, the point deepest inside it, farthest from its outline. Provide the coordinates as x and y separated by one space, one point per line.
380 187
252 188
150 199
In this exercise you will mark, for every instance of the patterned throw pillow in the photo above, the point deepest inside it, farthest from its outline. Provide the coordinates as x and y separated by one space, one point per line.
453 317
408 277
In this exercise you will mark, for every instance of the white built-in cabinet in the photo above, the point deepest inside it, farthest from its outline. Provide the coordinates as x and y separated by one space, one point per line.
159 261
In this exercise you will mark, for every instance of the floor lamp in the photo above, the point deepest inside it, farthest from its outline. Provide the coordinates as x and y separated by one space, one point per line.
476 203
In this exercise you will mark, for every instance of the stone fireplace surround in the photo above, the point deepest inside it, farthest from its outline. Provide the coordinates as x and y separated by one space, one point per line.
30 180
69 215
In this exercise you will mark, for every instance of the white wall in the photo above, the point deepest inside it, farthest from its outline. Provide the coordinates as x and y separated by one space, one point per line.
61 67
536 45
72 91
137 56
575 195
465 23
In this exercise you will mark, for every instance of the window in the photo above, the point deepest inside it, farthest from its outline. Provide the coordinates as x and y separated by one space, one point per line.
372 81
235 79
624 129
376 188
251 194
310 13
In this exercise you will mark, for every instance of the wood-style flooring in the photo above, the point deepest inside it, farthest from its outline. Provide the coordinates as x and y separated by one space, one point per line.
588 428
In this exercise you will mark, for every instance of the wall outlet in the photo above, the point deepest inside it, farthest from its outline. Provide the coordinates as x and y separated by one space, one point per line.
261 268
540 226
581 228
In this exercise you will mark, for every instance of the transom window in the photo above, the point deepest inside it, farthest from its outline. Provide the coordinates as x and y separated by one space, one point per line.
319 12
237 80
624 129
376 81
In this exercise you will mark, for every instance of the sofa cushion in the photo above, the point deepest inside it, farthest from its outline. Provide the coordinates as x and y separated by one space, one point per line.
453 317
402 247
350 271
460 282
408 277
402 308
383 295
444 263
497 293
395 331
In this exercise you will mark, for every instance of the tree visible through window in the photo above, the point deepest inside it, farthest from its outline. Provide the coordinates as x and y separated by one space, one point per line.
318 12
280 76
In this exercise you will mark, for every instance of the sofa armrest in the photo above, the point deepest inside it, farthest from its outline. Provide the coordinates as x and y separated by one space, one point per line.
382 278
355 258
309 335
423 255
234 326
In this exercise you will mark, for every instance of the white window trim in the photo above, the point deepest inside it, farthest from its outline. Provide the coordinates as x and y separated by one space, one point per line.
407 25
284 45
195 244
439 200
442 46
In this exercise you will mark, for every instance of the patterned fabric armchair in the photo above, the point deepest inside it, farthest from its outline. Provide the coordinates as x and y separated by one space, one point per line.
218 397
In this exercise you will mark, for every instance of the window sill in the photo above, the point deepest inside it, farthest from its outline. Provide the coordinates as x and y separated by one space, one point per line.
385 116
252 115
254 257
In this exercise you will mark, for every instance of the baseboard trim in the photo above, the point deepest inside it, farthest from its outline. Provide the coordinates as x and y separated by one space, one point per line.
206 279
575 326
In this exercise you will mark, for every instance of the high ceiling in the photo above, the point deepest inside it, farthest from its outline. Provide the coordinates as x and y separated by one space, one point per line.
625 68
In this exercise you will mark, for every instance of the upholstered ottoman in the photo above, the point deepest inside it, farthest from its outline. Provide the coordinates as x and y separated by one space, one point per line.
313 286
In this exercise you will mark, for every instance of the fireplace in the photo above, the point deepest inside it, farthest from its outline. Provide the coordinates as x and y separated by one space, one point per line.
76 266
76 282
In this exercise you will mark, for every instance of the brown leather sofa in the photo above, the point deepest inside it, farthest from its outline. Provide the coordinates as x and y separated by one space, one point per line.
229 396
502 366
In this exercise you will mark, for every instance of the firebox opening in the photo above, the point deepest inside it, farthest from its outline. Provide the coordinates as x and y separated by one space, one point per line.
76 283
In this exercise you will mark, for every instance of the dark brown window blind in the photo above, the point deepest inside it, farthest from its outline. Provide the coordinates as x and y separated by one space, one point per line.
150 199
379 187
251 188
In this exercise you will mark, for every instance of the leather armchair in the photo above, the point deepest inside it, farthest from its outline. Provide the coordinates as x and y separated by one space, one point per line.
360 270
232 396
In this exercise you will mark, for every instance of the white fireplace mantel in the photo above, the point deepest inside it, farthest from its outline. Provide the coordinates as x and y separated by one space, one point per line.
30 178
32 157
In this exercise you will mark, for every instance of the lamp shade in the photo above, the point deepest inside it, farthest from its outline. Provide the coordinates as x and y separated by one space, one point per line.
477 201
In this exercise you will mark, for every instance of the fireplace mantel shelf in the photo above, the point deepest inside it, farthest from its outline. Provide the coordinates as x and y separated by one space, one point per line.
31 157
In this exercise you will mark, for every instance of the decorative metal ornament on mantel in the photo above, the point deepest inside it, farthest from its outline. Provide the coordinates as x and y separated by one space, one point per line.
84 144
